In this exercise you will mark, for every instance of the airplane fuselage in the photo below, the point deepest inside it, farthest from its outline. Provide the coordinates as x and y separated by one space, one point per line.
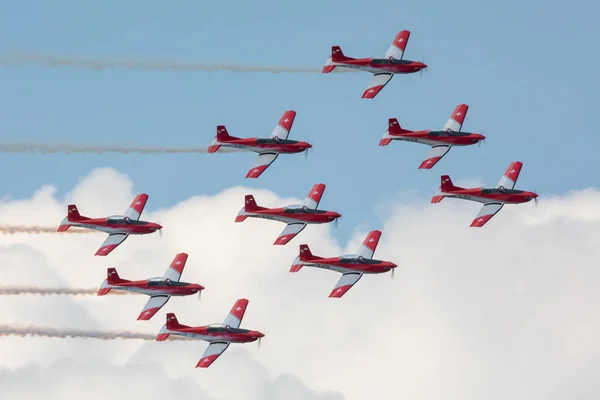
131 228
266 145
153 289
380 65
336 264
284 215
433 138
202 333
482 195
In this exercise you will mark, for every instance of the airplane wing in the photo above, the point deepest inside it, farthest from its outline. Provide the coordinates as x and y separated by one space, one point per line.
435 154
262 163
378 81
176 268
235 316
282 130
367 249
487 212
137 206
154 304
346 281
289 232
212 352
509 179
457 118
314 196
396 49
111 243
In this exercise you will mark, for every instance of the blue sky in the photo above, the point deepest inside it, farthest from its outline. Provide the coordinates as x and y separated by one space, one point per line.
528 70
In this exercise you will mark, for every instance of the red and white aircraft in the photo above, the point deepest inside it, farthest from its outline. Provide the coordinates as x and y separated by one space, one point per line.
119 227
218 335
295 216
160 290
267 148
440 140
493 199
352 266
383 69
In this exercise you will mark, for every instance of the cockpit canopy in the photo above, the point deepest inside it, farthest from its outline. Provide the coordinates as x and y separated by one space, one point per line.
500 190
275 140
161 281
448 132
356 259
383 61
295 209
224 328
121 219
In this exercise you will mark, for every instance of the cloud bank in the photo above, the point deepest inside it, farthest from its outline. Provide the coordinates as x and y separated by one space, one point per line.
507 311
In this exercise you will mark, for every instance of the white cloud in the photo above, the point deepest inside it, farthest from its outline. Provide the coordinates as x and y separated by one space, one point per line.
509 310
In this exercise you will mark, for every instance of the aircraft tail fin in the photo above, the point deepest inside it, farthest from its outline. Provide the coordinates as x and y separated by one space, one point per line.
249 206
222 137
251 203
168 328
394 129
336 56
306 254
113 278
446 187
73 214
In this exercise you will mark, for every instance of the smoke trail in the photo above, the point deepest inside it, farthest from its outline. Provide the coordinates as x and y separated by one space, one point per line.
19 290
31 290
9 230
45 148
99 64
32 330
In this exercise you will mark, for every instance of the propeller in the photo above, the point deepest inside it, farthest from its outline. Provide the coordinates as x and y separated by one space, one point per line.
259 339
199 295
308 149
421 70
335 222
393 273
160 233
535 199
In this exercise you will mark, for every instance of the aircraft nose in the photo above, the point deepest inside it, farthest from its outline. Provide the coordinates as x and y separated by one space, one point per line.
307 145
423 65
336 215
392 265
480 137
534 195
259 334
158 226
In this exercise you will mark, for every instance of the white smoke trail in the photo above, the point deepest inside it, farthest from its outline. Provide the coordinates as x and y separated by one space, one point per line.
32 330
45 148
19 290
10 230
32 290
55 60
